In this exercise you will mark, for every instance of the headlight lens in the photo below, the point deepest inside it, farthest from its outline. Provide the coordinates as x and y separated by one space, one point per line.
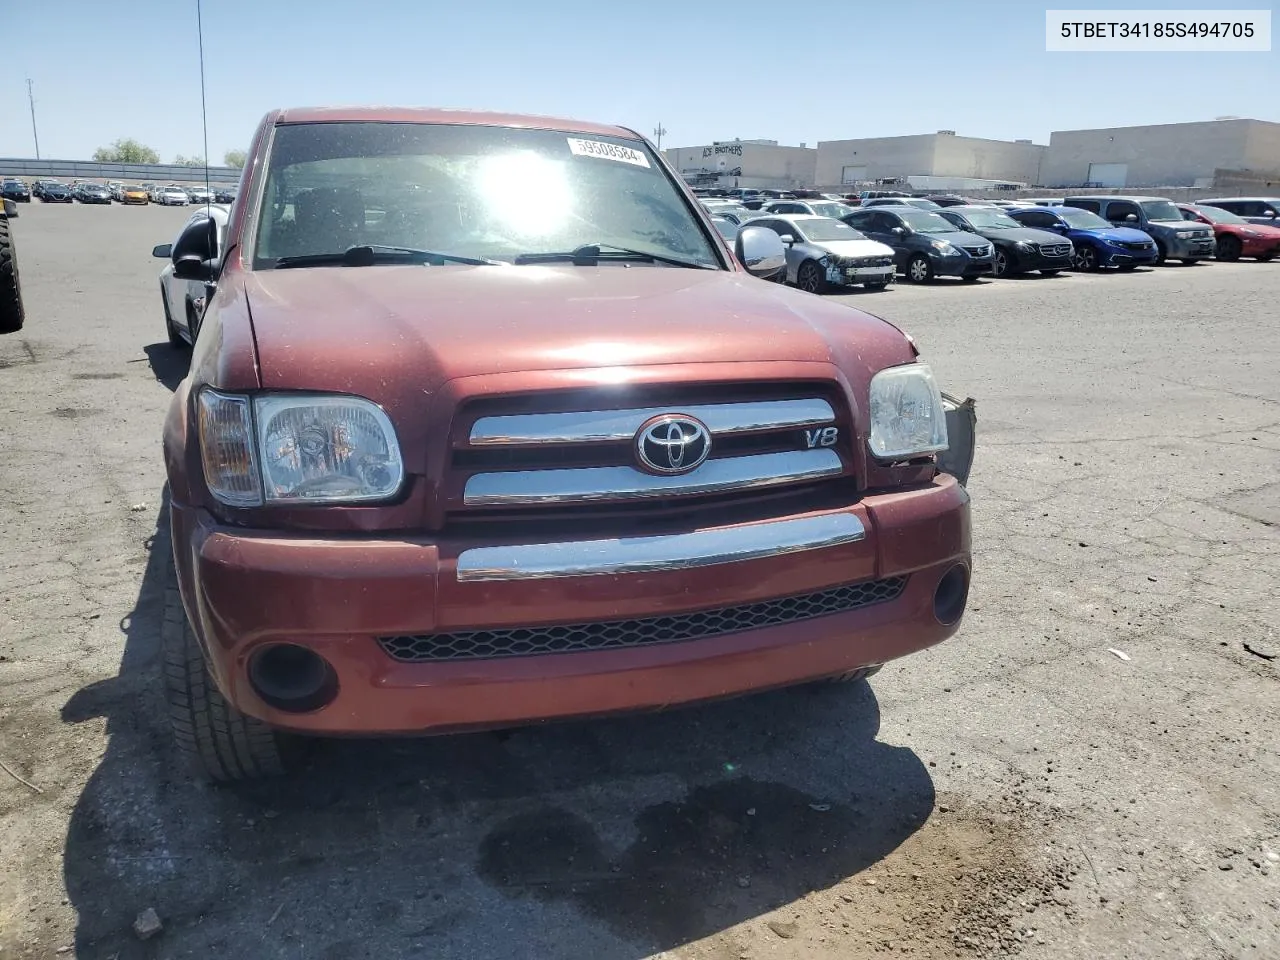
907 418
298 448
1186 234
943 247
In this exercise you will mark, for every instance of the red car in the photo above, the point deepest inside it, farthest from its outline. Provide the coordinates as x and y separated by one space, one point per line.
1236 236
487 425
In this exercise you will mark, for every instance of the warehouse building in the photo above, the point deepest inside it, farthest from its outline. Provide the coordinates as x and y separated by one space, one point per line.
846 164
1168 154
745 163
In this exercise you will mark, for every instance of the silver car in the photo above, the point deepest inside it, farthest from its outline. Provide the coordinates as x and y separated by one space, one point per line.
823 253
184 300
809 208
172 197
728 208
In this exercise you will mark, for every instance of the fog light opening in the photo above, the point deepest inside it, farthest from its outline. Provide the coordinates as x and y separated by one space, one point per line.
952 593
293 678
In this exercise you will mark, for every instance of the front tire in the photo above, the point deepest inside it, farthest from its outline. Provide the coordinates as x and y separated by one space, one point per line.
919 269
1086 258
1162 255
217 739
12 314
1003 265
175 338
809 278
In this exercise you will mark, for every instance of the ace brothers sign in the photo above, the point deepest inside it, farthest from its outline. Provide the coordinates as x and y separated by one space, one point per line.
719 150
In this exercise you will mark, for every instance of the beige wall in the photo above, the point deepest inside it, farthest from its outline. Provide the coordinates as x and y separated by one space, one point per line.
1171 154
882 156
763 165
931 154
1262 146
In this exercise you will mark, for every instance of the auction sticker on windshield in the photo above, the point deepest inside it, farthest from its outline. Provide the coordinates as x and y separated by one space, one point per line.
606 151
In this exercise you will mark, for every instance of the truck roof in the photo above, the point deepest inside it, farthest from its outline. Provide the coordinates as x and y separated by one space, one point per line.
442 115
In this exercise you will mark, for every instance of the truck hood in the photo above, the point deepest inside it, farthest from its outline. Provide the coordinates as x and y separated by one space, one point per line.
373 330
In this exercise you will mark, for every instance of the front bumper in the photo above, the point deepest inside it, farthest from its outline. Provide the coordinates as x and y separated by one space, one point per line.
961 266
1112 256
1190 249
851 275
244 590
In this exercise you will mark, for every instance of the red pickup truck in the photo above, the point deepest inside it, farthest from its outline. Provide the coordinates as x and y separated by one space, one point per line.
485 425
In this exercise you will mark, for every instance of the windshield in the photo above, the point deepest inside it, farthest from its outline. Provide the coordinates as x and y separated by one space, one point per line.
1081 219
990 218
475 191
923 221
1160 210
824 230
833 210
737 209
1214 215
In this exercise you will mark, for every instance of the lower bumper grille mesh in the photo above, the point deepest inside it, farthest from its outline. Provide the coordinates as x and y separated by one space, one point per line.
618 634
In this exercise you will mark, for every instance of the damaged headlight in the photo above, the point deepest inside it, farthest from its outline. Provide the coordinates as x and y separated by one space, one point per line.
907 417
297 448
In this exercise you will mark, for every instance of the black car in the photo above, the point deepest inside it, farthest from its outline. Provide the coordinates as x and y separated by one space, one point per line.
55 193
1018 248
92 193
925 244
15 190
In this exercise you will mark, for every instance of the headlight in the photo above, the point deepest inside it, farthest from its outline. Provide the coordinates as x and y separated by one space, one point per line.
943 247
1024 246
1186 234
907 418
297 448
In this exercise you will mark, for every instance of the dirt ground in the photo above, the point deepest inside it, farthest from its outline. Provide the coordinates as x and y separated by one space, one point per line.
1023 789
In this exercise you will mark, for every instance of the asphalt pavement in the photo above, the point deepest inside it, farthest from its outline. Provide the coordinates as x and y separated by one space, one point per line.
1090 768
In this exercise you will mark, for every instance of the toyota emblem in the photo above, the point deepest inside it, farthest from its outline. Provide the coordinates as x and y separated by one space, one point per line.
672 444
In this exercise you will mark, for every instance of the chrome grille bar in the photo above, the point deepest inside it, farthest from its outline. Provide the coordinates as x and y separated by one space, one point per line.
594 426
586 484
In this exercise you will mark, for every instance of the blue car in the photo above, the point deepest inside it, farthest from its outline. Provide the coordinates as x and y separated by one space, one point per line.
1097 243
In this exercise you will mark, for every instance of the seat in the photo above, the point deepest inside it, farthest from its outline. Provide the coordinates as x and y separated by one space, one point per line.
327 220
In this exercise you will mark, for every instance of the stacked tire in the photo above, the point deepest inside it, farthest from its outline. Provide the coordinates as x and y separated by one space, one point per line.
11 314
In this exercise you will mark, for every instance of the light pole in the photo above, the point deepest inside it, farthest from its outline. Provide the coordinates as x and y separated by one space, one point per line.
658 132
35 136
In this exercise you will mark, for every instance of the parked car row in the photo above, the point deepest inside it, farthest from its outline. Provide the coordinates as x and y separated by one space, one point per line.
831 243
88 191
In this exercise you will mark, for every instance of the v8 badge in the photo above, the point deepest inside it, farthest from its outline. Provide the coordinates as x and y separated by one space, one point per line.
821 437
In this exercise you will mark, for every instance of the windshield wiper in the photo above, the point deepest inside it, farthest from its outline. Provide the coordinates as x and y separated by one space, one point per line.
368 254
591 253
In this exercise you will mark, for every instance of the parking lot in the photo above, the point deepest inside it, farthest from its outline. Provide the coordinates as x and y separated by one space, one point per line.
1089 769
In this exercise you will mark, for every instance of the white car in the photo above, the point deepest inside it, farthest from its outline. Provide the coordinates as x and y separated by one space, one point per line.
812 208
184 300
171 197
199 195
823 253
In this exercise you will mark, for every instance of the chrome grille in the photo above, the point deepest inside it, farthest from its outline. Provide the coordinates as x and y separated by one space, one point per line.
588 456
1055 249
867 261
984 251
1137 245
648 631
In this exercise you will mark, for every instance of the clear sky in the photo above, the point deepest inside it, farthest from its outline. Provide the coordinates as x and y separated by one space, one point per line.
705 71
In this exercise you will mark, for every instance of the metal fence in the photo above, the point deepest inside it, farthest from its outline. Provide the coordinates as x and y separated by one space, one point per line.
131 172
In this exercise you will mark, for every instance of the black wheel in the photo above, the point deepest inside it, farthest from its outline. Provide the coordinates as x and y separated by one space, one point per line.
1049 273
1161 253
12 315
853 676
1002 265
919 269
876 285
1085 257
175 338
219 741
810 279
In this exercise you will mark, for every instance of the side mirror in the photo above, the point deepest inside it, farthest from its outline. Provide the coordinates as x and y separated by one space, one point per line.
787 239
195 253
760 250
163 251
1270 213
1130 218
899 231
